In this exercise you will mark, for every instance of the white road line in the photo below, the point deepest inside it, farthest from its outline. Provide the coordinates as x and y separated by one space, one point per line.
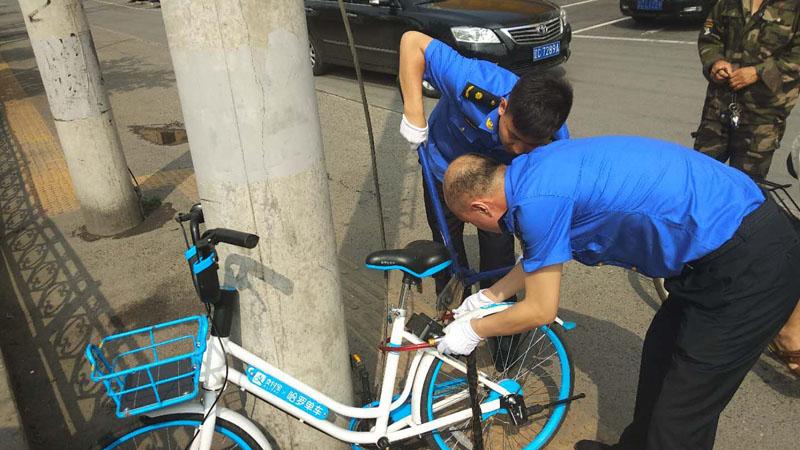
126 6
578 3
659 41
645 33
130 36
596 26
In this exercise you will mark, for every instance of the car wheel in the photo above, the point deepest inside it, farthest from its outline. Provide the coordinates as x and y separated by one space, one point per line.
318 66
429 91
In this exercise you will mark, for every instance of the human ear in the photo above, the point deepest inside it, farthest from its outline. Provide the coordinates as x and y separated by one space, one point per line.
479 208
503 105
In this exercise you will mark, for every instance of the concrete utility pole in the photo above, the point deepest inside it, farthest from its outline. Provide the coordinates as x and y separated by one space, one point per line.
67 60
248 101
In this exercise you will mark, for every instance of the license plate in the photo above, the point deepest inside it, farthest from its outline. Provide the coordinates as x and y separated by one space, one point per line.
546 51
650 5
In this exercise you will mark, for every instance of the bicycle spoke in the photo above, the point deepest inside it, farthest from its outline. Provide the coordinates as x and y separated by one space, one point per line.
531 361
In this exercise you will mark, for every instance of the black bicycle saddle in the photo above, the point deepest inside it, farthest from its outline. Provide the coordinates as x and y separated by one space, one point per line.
419 258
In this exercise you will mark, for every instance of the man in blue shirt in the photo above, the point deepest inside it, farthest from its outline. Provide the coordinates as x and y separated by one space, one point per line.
483 109
730 257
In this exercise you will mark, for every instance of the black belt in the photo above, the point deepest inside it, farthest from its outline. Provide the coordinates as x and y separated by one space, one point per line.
750 224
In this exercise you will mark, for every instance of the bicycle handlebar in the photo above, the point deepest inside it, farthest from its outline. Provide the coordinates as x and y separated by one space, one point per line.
201 254
233 237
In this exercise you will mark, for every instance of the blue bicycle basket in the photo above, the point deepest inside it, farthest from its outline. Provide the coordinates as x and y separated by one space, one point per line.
163 372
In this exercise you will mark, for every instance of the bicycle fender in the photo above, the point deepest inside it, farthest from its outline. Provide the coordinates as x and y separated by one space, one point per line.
419 385
224 413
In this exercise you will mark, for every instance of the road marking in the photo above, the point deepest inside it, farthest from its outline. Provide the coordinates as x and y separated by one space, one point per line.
610 22
659 41
129 36
578 3
46 167
645 33
126 6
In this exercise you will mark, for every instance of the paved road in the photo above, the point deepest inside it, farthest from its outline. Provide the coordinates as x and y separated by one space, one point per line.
628 79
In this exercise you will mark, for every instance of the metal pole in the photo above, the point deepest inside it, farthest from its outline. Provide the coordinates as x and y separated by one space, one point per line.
67 60
248 101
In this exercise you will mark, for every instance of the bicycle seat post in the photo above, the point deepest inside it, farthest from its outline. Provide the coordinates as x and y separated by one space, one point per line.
408 281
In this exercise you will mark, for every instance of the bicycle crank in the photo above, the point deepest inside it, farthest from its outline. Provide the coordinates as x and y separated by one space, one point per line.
514 404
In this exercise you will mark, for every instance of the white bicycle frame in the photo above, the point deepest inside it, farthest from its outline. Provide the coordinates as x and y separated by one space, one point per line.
212 377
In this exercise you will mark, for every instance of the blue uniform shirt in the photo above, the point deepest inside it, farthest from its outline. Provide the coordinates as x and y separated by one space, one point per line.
634 202
457 125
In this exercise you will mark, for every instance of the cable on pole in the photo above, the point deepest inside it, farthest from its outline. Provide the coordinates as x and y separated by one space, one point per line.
375 179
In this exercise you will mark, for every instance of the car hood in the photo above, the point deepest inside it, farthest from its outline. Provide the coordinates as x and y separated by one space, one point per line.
495 12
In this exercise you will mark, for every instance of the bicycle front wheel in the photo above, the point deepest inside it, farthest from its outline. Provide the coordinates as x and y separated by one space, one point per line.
534 364
175 432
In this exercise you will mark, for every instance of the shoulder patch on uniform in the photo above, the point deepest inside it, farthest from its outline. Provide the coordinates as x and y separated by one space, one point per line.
708 24
480 96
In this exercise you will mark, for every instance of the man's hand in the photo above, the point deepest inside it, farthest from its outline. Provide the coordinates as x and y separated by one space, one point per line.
721 71
743 77
471 303
415 135
460 339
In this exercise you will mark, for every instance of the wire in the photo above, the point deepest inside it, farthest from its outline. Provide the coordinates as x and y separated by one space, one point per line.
375 181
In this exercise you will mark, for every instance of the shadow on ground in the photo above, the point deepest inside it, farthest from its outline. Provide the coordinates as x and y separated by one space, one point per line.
46 326
52 310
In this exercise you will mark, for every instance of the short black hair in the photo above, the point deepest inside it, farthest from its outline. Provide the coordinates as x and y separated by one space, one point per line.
539 105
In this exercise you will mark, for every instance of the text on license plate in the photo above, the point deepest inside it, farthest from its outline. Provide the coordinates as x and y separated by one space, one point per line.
546 51
650 5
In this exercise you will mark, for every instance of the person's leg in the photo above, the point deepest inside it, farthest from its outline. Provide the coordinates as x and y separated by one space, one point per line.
657 351
496 251
733 306
456 230
787 343
711 139
753 156
715 350
752 148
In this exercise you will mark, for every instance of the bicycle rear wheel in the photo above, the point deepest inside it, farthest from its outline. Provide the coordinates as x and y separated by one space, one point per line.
537 366
175 432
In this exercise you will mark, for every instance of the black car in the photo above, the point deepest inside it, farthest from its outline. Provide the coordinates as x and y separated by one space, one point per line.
520 35
644 10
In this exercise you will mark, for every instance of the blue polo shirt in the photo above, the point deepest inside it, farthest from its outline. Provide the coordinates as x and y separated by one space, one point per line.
457 125
634 202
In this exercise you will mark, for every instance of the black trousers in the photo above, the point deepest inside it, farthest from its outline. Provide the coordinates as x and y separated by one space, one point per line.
722 312
496 250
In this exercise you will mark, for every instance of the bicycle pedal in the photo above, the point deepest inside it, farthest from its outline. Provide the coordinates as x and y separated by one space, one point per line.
514 405
537 409
362 376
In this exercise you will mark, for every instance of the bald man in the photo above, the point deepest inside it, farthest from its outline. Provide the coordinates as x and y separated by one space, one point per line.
730 258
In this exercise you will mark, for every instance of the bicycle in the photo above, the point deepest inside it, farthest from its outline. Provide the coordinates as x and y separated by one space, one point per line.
521 407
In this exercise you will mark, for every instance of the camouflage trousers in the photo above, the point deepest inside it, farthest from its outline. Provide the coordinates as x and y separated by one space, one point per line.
749 147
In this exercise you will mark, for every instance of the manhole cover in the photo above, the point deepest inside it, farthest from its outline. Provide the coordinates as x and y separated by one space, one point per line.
169 134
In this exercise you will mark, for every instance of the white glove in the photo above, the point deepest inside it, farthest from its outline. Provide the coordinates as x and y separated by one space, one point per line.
460 339
472 303
413 134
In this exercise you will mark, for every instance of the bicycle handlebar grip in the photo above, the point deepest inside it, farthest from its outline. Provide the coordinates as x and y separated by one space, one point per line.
238 238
